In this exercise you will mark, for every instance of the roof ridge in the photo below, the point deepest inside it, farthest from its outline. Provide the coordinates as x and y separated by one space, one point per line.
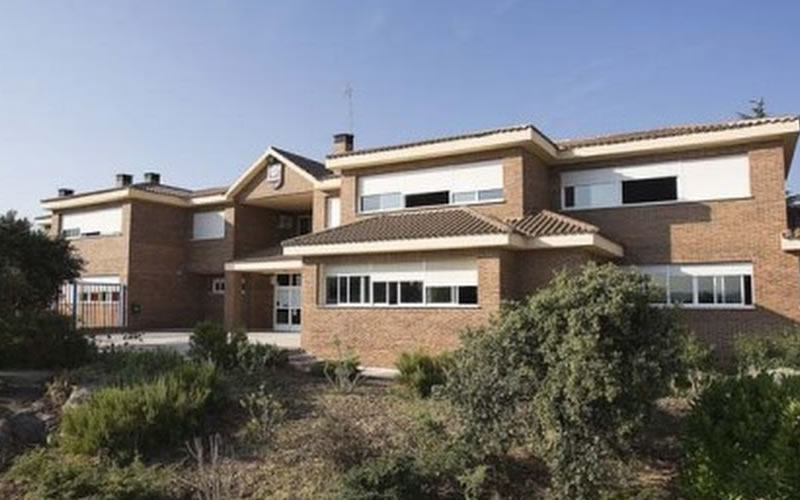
570 219
489 218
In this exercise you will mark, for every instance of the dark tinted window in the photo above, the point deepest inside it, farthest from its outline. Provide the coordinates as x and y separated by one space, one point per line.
569 196
748 290
331 296
410 292
425 199
393 292
468 295
379 292
650 190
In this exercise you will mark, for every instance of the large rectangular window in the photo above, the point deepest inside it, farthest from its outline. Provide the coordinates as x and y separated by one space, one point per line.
448 185
704 285
693 180
439 283
106 221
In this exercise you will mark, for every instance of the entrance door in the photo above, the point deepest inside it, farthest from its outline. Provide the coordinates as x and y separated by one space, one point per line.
287 302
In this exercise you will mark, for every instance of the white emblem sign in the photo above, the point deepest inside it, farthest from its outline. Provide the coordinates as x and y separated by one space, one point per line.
275 174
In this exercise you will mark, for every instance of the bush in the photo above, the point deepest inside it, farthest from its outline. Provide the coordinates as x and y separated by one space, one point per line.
210 342
394 477
141 418
265 413
255 358
767 352
129 366
48 474
699 369
741 440
341 442
44 340
572 373
420 372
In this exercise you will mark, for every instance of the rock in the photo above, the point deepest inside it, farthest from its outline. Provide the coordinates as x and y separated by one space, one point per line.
78 396
27 428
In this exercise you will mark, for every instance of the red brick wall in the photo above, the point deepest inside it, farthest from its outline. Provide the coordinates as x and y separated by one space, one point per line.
716 231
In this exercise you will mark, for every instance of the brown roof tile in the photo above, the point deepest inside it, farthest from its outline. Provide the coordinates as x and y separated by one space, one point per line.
547 223
430 223
671 131
441 223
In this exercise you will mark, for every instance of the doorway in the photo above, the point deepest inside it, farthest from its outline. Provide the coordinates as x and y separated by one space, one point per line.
287 302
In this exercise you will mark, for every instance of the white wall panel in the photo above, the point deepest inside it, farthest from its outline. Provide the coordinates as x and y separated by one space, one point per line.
702 179
333 211
454 178
103 221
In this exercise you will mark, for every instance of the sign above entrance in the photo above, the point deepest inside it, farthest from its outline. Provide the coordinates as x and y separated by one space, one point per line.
275 174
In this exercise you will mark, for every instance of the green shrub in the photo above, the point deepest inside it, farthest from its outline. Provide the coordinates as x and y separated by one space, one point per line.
43 340
144 417
420 372
255 358
741 440
767 352
210 342
394 477
571 373
129 366
265 413
699 368
47 474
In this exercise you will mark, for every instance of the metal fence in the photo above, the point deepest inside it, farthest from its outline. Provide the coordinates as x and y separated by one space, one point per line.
94 306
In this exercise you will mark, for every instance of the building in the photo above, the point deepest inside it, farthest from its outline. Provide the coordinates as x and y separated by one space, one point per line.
403 247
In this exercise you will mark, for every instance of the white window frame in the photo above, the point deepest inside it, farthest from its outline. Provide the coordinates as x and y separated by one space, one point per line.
218 286
424 303
715 271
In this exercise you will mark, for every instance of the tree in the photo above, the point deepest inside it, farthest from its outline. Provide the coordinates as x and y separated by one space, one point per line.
32 268
571 373
757 110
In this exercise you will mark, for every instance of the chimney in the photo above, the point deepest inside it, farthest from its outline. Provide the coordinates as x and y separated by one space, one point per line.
152 177
124 180
64 192
342 143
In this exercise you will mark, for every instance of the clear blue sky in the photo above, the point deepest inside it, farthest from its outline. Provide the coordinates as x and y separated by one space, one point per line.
197 90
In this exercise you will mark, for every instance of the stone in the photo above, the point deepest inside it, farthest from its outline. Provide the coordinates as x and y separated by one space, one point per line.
78 396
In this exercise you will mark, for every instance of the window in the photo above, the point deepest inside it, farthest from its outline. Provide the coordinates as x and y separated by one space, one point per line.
690 180
704 286
427 199
303 224
208 225
92 222
347 290
387 201
650 190
218 286
438 283
285 221
590 195
333 209
480 182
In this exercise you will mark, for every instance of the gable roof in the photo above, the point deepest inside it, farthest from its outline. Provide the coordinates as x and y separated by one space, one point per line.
547 223
312 170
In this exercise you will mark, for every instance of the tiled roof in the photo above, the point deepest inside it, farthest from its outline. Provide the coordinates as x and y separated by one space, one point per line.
469 135
162 189
671 131
313 167
547 223
209 191
430 223
566 144
441 223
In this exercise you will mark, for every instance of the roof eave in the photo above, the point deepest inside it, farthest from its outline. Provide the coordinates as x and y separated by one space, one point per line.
786 131
528 138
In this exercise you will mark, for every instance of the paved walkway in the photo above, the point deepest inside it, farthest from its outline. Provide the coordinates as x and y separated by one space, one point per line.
179 339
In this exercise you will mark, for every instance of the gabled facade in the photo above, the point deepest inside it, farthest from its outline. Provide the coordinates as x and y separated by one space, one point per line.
403 247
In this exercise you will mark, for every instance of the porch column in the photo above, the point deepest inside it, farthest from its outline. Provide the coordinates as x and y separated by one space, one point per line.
233 300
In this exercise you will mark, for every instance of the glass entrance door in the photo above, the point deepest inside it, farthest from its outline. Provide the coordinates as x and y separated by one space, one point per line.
287 302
